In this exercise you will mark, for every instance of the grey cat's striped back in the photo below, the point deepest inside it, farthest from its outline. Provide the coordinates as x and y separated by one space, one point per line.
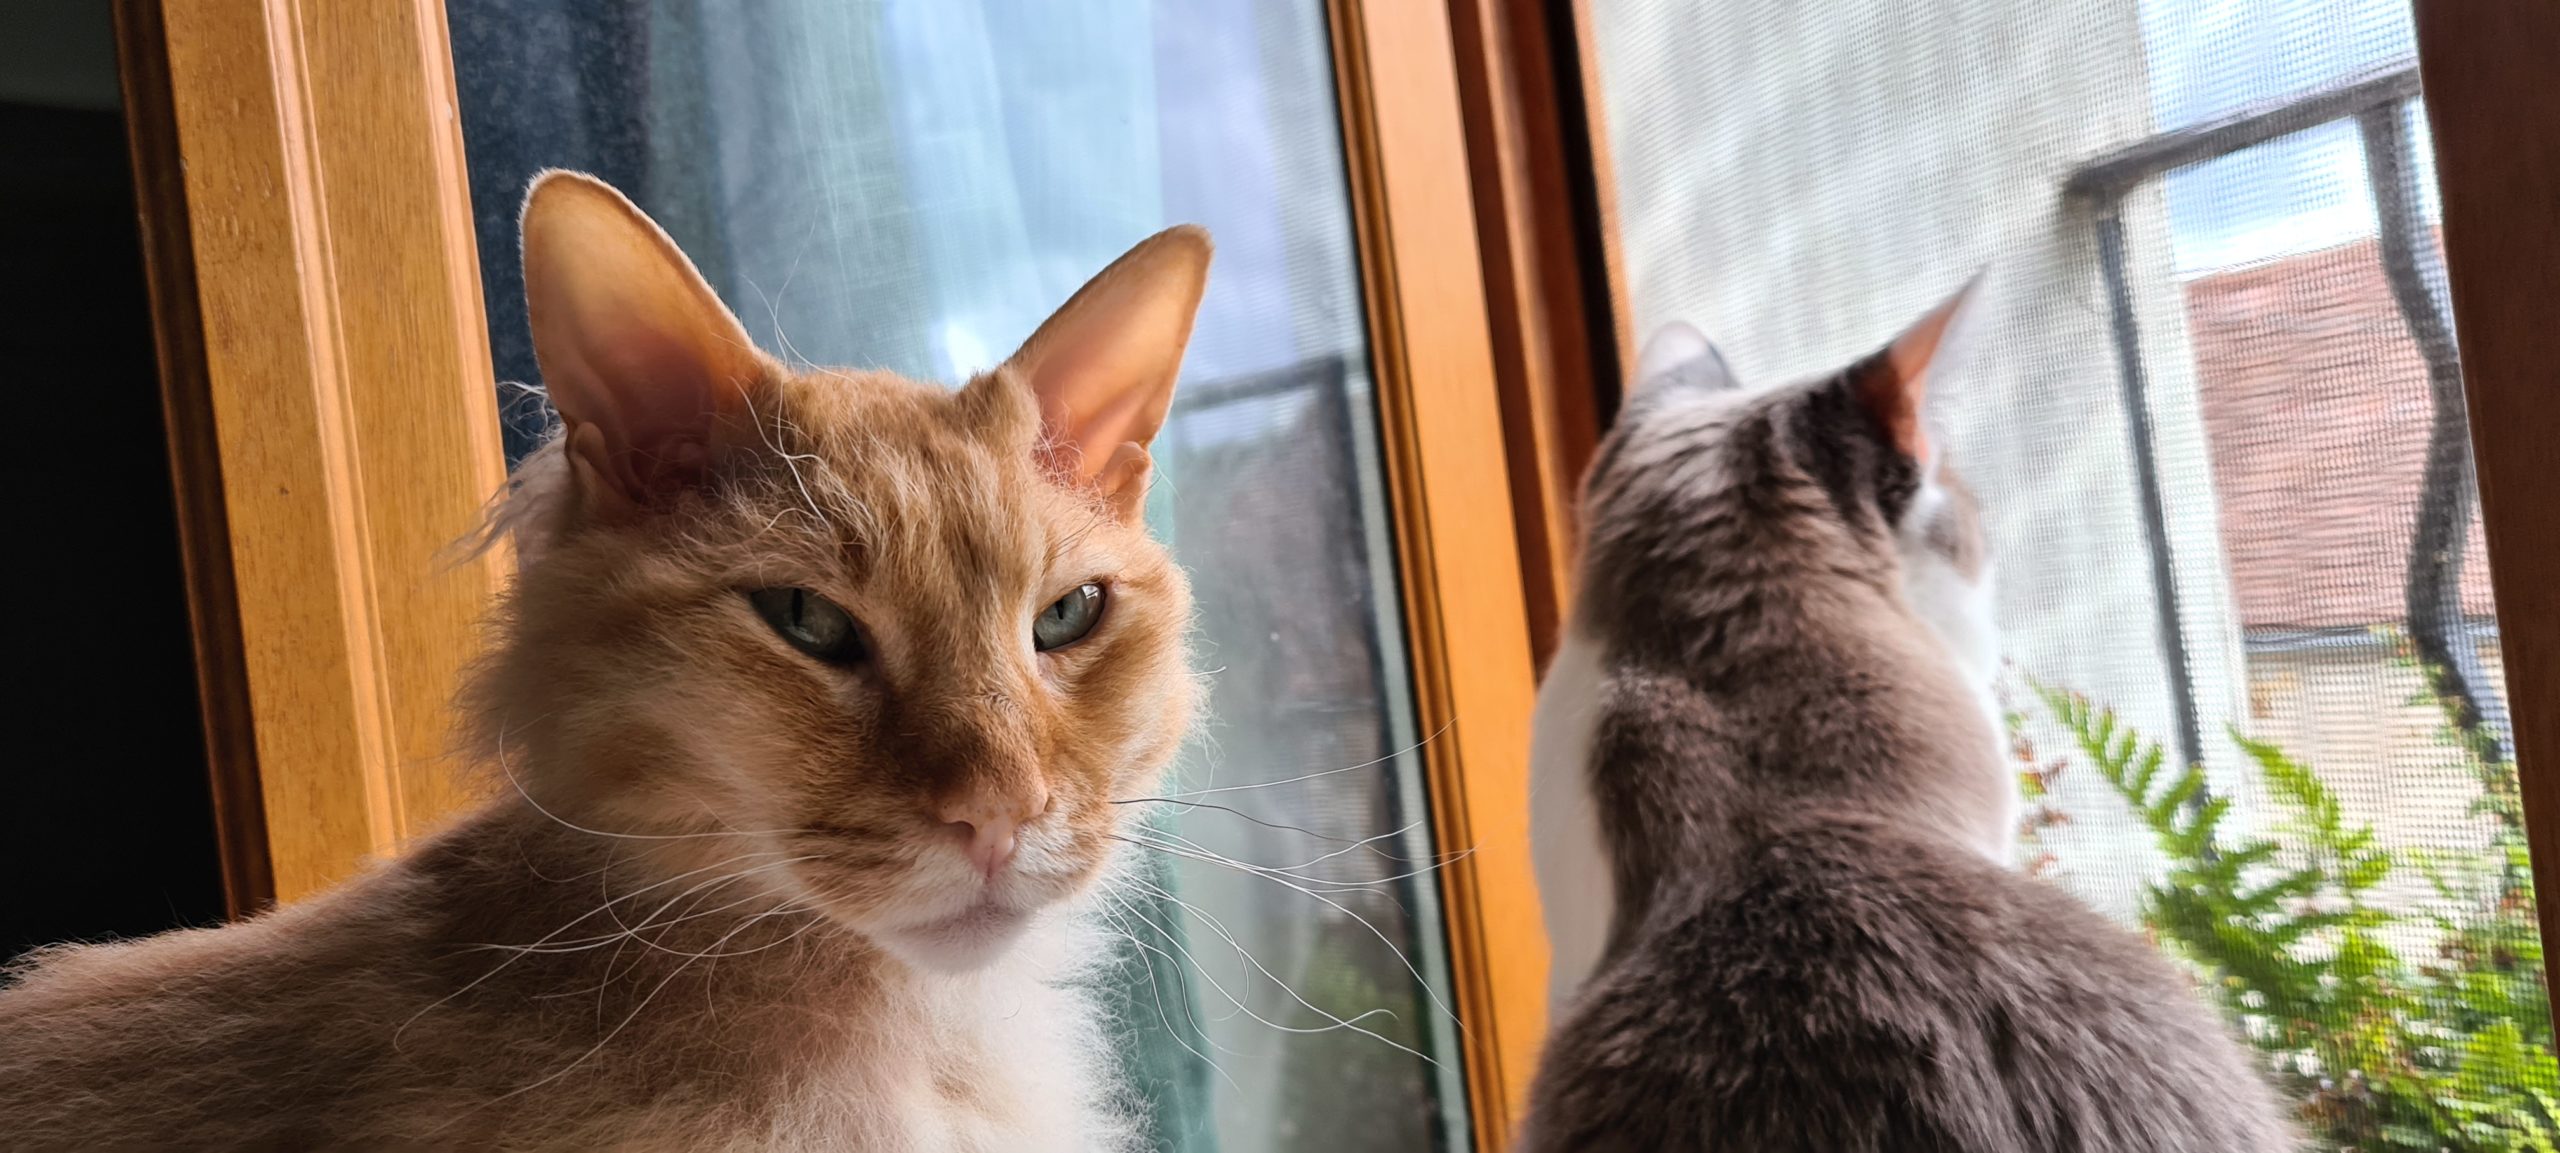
1793 810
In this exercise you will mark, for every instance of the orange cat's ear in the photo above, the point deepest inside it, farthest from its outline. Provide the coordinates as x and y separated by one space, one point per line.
1893 384
1103 366
639 355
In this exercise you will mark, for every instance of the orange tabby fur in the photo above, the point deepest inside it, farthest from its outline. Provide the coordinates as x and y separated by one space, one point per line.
720 900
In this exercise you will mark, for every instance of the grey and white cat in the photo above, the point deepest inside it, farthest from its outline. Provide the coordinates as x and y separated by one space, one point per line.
1772 820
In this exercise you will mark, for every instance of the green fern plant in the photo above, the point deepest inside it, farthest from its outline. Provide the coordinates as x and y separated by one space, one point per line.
2451 1052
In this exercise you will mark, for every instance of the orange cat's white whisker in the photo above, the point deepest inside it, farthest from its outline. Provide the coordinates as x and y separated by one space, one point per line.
1365 923
1156 990
633 932
1417 746
1191 963
1367 844
785 908
1240 814
625 1023
583 944
790 460
565 927
1437 860
705 889
714 952
1339 1023
508 771
1177 843
773 302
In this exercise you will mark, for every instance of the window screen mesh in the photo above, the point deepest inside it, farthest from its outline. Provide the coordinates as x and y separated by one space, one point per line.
2215 414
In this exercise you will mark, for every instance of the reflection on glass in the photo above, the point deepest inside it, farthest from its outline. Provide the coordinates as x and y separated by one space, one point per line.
913 185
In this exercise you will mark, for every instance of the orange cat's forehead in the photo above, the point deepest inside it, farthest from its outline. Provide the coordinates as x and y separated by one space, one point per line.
858 406
934 492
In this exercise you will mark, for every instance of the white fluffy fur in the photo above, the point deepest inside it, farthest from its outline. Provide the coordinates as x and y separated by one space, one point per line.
1964 615
1564 825
1020 1029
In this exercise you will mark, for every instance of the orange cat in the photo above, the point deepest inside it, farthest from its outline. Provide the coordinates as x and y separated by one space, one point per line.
811 700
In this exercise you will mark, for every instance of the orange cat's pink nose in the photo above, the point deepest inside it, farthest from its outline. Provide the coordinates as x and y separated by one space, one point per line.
991 842
989 823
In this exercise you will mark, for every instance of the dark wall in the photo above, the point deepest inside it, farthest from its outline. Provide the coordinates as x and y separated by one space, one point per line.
106 825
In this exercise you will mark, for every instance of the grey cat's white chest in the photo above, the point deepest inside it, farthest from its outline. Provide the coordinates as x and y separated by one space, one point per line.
1576 885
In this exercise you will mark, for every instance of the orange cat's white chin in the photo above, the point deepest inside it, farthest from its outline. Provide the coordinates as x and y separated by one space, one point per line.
970 939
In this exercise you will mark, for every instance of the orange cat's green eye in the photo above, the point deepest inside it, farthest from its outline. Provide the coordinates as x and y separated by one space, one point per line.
812 623
1067 619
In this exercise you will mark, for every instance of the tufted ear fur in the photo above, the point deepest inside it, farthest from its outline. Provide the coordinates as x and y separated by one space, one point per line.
640 357
1103 366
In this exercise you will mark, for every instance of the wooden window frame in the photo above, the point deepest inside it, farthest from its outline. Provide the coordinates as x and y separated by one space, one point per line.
2494 105
1555 290
331 425
1467 620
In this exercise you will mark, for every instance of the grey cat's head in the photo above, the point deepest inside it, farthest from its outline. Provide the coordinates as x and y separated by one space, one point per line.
1784 602
1801 560
1832 480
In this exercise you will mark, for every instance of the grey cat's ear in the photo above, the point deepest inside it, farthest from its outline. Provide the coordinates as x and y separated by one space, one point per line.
1893 385
639 355
1103 366
1672 345
1679 353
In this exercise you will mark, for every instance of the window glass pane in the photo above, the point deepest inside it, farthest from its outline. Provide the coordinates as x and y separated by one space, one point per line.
2217 420
914 184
